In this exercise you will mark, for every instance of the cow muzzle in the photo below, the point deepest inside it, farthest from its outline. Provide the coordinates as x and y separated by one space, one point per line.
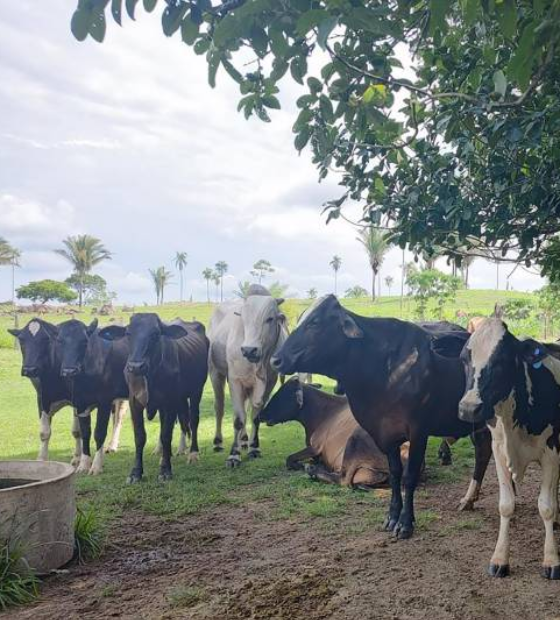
470 408
137 368
30 371
251 354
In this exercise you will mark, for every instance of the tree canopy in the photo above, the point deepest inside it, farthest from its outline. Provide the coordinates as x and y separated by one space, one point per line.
44 291
441 116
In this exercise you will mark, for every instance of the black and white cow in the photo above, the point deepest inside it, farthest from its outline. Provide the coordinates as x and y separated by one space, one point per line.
166 371
41 365
93 370
399 387
514 386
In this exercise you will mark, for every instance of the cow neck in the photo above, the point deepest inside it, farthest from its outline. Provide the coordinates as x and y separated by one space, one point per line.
318 408
537 398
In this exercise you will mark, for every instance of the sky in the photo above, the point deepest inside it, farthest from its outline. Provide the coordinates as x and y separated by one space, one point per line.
126 141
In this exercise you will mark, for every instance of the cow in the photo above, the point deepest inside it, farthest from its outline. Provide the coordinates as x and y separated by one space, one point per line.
93 370
166 370
41 365
244 335
399 389
332 436
514 387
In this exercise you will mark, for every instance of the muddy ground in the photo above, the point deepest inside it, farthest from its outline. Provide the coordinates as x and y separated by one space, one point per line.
236 563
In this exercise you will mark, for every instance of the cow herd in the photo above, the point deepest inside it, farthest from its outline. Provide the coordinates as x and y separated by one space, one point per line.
397 383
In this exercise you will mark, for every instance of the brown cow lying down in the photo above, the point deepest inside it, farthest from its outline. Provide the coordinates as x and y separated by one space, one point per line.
342 451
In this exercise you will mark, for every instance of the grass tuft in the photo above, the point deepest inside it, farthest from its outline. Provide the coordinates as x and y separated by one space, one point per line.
89 536
18 583
182 597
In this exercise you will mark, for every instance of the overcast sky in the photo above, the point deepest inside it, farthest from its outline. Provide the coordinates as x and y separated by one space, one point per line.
126 141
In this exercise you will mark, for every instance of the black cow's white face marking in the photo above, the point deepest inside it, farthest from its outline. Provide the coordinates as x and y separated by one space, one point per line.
34 328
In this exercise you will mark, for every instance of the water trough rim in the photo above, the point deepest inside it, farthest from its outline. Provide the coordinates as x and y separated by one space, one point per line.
70 471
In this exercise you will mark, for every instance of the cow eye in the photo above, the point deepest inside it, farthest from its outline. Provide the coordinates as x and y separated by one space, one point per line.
270 319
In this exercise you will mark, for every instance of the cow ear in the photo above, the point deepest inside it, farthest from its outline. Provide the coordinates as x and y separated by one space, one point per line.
15 332
92 327
280 301
350 327
112 332
173 331
533 352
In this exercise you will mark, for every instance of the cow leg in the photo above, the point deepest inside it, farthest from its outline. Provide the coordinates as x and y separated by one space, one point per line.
137 416
293 461
318 472
184 418
44 435
499 564
218 384
238 399
158 449
77 438
395 477
168 422
84 420
254 446
416 454
100 435
119 411
482 441
194 419
444 452
548 510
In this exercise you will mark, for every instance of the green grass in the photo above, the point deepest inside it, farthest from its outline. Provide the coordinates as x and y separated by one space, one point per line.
182 597
201 486
18 584
89 535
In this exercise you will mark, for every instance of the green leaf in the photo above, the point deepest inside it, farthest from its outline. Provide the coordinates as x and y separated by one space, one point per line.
213 65
271 101
310 19
232 71
298 68
116 10
325 29
81 20
227 29
131 7
189 31
326 109
278 43
259 39
314 84
507 17
500 82
98 26
521 64
302 139
149 5
201 46
171 18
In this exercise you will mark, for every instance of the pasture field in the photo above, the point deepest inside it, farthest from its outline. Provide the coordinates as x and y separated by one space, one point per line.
262 542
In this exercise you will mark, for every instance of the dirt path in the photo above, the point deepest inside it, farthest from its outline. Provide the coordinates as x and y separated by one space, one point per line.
236 563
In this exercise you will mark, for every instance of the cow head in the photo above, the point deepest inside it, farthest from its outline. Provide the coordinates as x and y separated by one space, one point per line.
73 338
37 341
262 322
285 405
145 332
319 341
492 358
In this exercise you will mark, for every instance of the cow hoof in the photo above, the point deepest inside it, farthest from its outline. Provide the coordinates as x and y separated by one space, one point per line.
75 461
498 570
192 457
390 524
254 454
466 505
165 476
94 471
233 461
403 532
311 471
111 449
551 572
181 451
134 478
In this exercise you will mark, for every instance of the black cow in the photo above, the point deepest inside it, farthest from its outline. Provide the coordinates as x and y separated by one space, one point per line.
398 387
41 365
93 369
514 386
166 370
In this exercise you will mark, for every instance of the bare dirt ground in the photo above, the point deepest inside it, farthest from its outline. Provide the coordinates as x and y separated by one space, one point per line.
236 563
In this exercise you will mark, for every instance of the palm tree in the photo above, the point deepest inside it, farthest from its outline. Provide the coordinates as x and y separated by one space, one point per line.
466 261
10 256
261 268
160 278
181 263
216 279
83 252
389 283
208 275
336 263
221 268
376 246
312 293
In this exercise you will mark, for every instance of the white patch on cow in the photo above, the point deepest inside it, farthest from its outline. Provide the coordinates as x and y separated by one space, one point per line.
44 435
403 368
97 465
309 311
182 449
34 328
120 408
482 345
77 438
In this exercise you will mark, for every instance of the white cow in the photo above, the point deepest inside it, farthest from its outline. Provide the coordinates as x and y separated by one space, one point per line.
243 336
515 387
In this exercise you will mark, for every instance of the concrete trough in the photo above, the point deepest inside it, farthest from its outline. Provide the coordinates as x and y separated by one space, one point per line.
38 509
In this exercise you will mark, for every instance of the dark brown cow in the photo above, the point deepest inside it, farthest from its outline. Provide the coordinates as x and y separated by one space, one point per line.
342 451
